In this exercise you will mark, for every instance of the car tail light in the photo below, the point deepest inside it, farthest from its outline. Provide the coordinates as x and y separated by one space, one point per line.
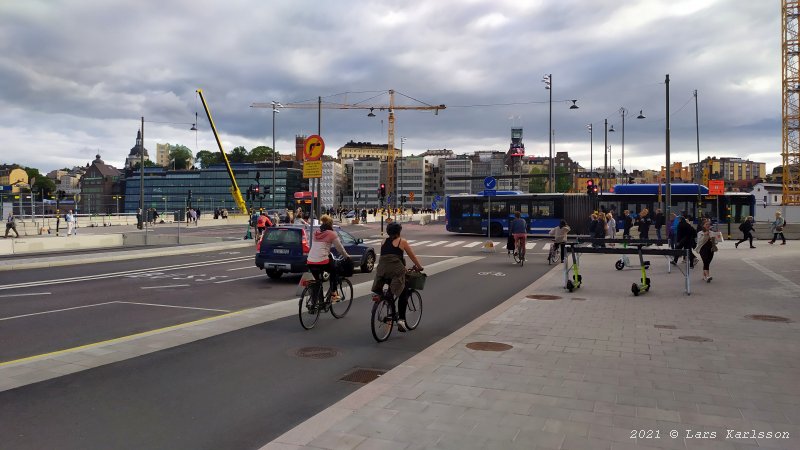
258 244
306 248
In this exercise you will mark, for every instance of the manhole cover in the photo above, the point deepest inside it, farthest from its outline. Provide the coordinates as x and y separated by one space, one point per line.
489 346
543 297
767 318
316 352
695 338
363 376
666 327
580 299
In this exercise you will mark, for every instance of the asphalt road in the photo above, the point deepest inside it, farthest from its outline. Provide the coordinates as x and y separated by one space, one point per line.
238 390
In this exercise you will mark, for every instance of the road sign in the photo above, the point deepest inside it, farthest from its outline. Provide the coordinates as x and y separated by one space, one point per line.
438 198
489 192
716 187
313 148
411 196
434 205
489 182
312 169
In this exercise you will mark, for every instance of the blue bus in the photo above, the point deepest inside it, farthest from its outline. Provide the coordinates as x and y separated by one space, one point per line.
468 213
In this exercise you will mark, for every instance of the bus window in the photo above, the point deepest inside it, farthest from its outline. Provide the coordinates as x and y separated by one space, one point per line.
542 209
498 208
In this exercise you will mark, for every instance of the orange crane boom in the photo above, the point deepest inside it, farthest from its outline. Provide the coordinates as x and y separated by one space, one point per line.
390 181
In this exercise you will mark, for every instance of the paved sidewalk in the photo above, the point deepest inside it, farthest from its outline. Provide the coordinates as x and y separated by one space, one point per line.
599 368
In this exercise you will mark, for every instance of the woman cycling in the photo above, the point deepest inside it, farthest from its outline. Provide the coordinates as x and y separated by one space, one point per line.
519 229
392 266
559 234
319 259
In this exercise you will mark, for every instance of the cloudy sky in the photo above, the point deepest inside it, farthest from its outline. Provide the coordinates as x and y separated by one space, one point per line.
77 76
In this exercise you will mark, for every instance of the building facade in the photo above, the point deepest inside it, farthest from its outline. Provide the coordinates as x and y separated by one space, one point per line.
728 169
366 150
101 189
14 177
134 157
332 184
412 174
460 166
162 155
368 174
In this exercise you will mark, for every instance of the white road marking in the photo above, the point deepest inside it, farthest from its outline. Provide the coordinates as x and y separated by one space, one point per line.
25 295
164 287
173 306
421 242
242 268
237 279
55 310
437 243
453 244
530 246
473 244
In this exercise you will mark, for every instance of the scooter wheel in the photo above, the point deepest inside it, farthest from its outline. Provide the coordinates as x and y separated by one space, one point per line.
570 286
635 289
619 264
580 279
647 280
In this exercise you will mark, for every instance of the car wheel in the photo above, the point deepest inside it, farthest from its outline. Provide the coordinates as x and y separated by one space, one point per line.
274 274
369 263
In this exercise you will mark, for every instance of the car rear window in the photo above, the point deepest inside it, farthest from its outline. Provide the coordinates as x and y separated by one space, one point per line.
283 236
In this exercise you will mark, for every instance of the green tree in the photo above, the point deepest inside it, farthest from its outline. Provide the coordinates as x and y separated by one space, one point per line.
238 155
537 184
260 154
41 184
181 155
147 163
563 179
207 158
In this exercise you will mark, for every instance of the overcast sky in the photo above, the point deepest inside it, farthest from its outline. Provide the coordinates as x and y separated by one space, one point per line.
76 76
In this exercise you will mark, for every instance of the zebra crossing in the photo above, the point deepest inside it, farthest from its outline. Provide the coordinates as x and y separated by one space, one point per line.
462 243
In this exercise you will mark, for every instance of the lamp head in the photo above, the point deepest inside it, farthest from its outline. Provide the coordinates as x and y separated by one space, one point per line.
194 127
574 106
371 114
611 130
640 116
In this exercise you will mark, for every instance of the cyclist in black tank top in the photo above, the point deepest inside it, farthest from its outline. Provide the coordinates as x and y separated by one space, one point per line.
391 265
388 247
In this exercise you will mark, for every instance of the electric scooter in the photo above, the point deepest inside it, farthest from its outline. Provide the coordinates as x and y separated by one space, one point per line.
644 286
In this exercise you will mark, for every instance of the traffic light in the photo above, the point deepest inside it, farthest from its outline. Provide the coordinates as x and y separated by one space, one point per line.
190 194
631 180
590 187
383 190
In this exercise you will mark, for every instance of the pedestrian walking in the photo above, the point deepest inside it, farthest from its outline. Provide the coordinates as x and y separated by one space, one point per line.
70 219
644 224
627 224
611 227
658 222
684 239
600 230
139 220
706 247
777 228
11 224
673 229
746 228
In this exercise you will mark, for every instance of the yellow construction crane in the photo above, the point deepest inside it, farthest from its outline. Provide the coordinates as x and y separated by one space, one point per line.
790 62
235 192
391 107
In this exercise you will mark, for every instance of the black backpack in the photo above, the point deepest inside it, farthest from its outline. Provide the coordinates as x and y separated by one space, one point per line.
741 226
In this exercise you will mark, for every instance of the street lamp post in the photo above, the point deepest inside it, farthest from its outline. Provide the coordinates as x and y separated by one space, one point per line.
401 174
603 185
623 113
591 143
548 84
275 106
667 144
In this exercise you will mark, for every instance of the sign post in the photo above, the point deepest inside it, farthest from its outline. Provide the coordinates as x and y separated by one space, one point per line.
313 148
489 183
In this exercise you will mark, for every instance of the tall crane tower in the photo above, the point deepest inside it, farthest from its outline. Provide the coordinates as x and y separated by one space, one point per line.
391 185
790 153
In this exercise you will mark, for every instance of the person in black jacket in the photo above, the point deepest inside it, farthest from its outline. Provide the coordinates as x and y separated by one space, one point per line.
747 229
644 224
685 239
627 224
658 222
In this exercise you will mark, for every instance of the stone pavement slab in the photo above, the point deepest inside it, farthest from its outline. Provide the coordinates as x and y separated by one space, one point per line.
599 368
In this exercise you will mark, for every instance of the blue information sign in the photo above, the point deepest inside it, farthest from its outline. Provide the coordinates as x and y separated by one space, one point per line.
489 182
489 192
438 198
434 205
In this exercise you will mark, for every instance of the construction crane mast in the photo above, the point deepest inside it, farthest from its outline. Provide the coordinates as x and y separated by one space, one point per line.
790 62
391 107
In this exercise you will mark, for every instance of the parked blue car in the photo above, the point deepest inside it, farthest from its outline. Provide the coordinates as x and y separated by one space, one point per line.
284 249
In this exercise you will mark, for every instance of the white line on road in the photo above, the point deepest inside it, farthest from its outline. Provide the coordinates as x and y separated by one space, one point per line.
241 268
163 287
55 310
473 244
437 243
453 244
237 279
421 242
25 295
173 306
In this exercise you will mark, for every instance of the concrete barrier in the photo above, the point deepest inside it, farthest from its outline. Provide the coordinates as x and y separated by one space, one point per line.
40 245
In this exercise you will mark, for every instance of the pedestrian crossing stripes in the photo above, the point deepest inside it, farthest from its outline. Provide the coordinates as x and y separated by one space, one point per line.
449 244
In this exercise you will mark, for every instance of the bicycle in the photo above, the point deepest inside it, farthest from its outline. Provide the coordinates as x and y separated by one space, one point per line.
313 301
384 312
519 251
553 257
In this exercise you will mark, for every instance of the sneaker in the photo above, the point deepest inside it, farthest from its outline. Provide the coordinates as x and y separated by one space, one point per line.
401 326
783 243
708 280
752 246
770 242
736 245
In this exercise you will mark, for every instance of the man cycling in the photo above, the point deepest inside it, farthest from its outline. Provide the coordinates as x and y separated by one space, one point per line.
519 229
559 234
392 266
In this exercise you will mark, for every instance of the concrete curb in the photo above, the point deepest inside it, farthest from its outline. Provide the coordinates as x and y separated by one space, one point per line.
304 433
71 260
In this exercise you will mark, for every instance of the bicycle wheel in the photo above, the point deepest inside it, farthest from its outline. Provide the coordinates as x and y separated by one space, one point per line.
382 323
309 309
340 307
414 310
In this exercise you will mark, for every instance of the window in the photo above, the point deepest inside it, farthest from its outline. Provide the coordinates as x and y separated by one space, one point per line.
346 238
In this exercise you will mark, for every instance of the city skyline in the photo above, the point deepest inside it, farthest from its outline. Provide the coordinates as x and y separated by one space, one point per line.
81 88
